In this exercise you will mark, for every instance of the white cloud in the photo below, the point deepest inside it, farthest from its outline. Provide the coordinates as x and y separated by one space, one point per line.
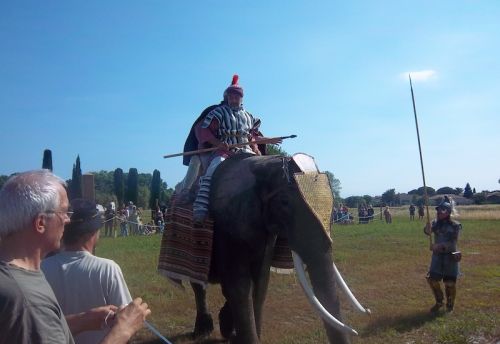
421 75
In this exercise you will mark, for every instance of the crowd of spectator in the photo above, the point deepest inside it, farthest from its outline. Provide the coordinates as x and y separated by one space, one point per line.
129 219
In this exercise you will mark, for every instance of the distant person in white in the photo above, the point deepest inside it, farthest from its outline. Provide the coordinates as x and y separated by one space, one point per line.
79 279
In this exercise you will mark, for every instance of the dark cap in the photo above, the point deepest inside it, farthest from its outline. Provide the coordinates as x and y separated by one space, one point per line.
445 204
85 219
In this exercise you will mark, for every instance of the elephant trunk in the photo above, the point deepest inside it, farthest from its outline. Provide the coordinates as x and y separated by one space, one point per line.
323 296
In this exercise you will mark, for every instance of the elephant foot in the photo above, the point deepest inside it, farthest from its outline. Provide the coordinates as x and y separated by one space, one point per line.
204 325
226 325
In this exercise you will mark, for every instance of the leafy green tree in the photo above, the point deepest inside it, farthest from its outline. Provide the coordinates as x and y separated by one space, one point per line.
143 196
415 199
468 191
430 191
104 190
479 198
119 186
132 192
155 190
75 186
354 201
368 199
458 191
389 197
334 184
47 160
446 190
165 194
275 150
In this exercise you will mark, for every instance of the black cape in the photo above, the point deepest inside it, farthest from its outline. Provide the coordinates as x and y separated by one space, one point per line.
191 141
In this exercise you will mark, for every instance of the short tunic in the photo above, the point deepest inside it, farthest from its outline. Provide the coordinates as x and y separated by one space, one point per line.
443 263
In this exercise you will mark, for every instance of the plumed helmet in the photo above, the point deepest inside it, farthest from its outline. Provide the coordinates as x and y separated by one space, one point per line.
445 204
234 87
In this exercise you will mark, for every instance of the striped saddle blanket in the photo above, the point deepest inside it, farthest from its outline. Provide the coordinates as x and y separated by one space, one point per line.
186 251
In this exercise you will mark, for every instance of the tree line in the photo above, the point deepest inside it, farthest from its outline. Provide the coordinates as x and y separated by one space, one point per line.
145 190
390 197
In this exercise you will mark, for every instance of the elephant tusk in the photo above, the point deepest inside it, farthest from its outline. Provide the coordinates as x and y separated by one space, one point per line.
346 290
330 319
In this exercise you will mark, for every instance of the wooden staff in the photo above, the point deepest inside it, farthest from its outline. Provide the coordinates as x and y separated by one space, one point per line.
236 145
426 199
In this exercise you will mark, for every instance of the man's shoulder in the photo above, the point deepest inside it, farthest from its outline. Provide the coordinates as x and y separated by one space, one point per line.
9 288
103 263
217 110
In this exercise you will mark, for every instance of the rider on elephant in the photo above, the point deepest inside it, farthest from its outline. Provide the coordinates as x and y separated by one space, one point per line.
445 257
225 125
196 163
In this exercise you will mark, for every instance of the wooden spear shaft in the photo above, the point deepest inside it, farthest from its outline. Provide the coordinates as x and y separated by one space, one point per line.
426 199
236 145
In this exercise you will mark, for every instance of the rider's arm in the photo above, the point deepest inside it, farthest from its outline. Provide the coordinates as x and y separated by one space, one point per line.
207 135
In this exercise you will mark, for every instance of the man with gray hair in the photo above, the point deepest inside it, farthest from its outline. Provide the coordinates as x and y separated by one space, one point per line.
34 208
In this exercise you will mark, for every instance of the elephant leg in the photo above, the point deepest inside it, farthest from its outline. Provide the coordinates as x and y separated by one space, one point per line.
261 282
204 324
226 324
237 288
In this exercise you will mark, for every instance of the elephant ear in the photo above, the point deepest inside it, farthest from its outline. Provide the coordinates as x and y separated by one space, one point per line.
315 190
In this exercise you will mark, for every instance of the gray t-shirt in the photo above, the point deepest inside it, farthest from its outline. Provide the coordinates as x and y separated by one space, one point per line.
82 281
29 312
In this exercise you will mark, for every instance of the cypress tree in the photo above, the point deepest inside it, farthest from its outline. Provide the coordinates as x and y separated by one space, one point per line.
155 190
47 159
132 185
119 186
468 191
76 180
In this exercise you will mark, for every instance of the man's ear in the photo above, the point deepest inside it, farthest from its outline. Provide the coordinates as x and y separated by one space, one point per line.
39 223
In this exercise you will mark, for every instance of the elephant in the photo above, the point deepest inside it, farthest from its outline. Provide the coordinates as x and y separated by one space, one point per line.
252 200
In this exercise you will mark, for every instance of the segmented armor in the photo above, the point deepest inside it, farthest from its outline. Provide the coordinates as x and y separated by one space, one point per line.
235 125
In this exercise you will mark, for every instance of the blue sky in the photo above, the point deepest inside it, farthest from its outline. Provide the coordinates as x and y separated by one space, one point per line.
120 82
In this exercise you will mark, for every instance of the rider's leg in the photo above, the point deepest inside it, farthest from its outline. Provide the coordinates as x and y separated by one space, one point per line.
191 174
200 205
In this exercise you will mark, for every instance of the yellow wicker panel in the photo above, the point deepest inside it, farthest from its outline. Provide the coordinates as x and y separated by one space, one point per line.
316 192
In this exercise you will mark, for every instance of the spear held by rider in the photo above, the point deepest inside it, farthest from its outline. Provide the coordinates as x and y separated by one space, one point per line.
269 140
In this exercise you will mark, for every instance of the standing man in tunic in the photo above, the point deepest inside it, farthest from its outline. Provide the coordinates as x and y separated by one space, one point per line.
445 257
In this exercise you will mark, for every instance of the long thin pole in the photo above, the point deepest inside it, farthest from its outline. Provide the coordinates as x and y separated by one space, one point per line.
156 332
426 199
206 150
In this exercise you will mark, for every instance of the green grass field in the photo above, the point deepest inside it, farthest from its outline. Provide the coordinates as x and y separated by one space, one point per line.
385 266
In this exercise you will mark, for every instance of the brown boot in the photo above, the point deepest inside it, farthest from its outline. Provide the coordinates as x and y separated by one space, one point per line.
451 291
438 294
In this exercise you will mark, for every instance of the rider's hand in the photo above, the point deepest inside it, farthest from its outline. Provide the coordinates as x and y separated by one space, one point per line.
275 141
223 146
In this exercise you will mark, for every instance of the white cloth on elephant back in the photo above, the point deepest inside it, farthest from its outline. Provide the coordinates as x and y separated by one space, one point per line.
305 162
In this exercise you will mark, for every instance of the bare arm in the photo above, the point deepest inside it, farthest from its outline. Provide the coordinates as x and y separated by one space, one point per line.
90 320
128 321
